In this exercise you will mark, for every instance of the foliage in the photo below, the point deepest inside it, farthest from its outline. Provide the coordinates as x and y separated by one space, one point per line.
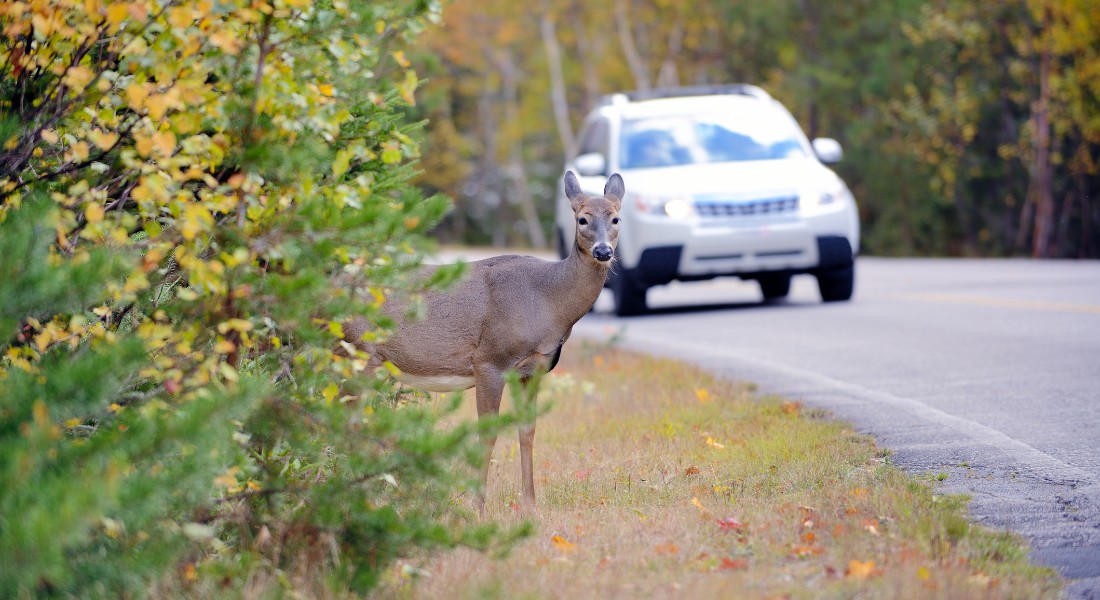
193 197
954 143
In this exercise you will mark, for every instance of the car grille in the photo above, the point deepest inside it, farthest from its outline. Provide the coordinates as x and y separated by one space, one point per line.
747 207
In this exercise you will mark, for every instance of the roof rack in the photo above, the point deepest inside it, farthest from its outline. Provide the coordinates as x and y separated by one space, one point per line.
738 89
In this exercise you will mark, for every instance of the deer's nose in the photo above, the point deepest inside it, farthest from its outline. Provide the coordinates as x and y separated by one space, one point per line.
602 252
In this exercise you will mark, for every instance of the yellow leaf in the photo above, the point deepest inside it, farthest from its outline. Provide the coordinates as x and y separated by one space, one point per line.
180 17
714 444
104 140
228 478
702 394
399 56
860 569
165 142
114 407
923 573
224 346
695 501
330 392
144 144
81 151
195 218
42 340
157 104
563 544
136 94
74 422
379 296
78 77
325 89
94 212
116 13
226 41
50 136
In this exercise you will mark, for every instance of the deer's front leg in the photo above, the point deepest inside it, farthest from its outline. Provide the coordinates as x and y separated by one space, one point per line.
489 387
527 439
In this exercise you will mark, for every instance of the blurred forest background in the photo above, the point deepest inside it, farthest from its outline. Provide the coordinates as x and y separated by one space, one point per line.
970 128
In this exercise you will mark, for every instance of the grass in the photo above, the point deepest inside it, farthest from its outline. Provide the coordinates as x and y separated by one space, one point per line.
656 479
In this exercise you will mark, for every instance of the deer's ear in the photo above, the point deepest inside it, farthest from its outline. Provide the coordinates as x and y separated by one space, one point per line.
615 188
572 186
573 191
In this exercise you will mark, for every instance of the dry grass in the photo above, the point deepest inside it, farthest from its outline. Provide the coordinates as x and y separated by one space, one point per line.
640 459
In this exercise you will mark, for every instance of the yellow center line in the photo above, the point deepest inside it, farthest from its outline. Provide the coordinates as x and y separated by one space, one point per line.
1005 303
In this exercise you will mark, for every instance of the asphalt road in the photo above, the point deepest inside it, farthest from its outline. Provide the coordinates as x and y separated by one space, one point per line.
986 370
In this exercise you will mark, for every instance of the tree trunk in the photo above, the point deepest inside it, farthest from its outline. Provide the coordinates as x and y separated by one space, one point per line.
626 37
1044 176
557 87
590 49
668 76
486 177
517 171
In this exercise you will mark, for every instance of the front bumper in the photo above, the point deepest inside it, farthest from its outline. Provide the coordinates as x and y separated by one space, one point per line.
707 248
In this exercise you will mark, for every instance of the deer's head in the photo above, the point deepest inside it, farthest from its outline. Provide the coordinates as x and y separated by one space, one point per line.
597 216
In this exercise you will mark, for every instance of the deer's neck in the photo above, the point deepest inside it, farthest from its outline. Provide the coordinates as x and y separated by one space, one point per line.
583 278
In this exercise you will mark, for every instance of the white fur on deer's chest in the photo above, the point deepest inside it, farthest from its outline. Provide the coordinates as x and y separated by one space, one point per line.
437 383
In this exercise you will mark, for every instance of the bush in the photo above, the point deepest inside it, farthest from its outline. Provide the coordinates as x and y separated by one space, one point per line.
195 196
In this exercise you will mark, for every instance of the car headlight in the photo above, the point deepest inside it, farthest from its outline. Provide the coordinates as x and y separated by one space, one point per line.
677 207
816 198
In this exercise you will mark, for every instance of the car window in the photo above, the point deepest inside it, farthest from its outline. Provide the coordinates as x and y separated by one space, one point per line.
595 138
747 134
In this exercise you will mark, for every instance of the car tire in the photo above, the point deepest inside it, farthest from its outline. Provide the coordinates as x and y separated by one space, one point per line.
629 295
836 285
774 286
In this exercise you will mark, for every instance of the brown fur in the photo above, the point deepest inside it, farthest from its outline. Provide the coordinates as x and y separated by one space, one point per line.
509 313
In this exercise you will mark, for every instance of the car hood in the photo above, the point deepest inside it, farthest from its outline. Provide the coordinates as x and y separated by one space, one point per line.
733 179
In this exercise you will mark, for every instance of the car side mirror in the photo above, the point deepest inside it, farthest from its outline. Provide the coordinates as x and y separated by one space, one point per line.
828 150
590 164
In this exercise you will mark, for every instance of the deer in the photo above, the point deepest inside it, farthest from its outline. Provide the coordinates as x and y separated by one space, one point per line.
510 313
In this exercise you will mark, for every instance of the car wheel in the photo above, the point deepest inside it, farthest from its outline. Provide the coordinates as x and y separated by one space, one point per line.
836 284
774 286
629 295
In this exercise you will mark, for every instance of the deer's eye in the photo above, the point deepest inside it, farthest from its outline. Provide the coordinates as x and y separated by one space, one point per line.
615 221
582 221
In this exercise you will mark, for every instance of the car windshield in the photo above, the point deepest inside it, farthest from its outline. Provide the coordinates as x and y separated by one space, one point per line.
708 138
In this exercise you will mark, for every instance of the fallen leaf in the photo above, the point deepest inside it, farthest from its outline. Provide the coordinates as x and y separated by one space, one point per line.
730 564
980 579
668 548
714 444
809 537
871 525
730 524
582 475
806 551
792 408
858 492
860 569
692 471
563 544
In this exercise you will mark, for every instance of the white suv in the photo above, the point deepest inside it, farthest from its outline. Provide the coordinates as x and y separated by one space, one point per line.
720 181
